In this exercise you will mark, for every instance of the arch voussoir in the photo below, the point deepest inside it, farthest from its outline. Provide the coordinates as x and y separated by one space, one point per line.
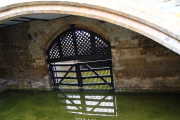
116 17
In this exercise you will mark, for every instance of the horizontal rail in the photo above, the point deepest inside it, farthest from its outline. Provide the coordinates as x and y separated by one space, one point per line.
65 77
85 70
99 113
95 106
87 84
87 99
88 77
83 77
64 71
97 69
81 63
69 64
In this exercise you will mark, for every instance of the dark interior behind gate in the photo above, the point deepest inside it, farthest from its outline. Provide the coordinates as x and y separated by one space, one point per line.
80 58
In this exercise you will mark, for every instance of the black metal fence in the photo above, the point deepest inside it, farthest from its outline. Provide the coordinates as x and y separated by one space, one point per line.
80 58
82 73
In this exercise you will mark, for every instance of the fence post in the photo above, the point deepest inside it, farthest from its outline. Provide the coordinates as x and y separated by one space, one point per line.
79 77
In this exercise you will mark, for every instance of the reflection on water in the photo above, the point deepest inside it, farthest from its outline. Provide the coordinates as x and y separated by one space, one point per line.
56 105
89 104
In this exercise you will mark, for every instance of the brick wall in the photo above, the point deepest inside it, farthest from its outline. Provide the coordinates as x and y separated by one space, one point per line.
138 62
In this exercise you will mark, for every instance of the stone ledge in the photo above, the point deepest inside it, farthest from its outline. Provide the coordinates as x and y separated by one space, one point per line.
4 84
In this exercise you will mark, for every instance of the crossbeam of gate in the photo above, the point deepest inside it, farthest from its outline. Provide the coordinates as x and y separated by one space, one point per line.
84 67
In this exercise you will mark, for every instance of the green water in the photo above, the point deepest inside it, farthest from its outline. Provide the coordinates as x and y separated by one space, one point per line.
38 105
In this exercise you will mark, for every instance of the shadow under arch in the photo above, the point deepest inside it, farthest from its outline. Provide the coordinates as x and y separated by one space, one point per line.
134 23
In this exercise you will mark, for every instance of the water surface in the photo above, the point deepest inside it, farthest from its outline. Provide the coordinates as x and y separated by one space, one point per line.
53 105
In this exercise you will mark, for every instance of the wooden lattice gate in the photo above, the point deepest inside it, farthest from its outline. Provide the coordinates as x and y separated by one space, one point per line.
80 58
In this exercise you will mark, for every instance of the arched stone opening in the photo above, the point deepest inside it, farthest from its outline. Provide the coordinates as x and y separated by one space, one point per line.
80 58
138 62
136 21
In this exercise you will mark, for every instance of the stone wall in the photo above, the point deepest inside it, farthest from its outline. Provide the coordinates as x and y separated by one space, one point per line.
138 62
1 53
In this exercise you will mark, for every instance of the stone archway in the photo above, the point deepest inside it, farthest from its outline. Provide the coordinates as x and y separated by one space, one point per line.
133 19
35 38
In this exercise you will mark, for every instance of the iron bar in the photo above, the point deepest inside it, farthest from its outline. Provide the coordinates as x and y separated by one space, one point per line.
97 75
91 55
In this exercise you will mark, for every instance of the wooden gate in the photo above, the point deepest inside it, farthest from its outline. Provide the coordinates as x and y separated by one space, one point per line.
80 58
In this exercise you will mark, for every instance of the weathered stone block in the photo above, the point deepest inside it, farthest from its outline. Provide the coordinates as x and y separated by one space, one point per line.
138 62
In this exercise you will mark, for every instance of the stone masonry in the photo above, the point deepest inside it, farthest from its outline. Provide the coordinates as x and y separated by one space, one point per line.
139 63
